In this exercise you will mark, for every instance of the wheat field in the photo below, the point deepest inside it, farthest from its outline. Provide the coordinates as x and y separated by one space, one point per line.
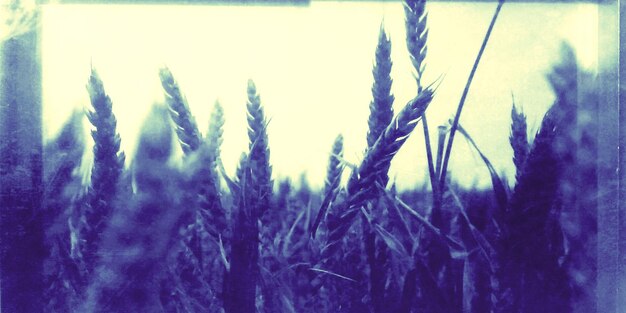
172 229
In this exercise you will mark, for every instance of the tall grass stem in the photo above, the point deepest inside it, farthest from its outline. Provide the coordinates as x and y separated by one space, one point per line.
457 116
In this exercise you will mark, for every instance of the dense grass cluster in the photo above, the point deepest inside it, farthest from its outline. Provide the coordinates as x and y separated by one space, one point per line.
153 237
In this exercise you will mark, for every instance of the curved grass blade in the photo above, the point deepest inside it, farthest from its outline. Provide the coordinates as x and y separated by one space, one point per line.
498 186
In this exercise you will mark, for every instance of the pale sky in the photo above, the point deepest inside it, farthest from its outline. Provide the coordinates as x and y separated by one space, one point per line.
312 66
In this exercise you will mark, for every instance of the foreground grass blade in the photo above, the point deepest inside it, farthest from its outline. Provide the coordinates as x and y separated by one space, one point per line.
457 116
496 182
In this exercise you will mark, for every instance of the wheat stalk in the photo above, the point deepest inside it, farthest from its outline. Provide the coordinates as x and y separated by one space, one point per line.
416 19
431 251
258 159
210 215
362 184
416 26
204 163
528 264
518 139
214 142
335 167
107 168
253 199
332 181
214 135
381 107
381 114
186 128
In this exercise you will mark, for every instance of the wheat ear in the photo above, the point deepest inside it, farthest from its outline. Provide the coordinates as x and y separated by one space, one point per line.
253 199
186 127
107 167
518 139
362 185
332 182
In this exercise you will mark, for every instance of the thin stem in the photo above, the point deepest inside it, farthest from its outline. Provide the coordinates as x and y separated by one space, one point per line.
429 156
441 141
455 124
